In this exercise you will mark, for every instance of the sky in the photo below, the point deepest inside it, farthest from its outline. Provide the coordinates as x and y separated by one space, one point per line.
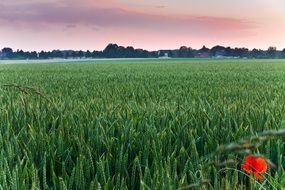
148 24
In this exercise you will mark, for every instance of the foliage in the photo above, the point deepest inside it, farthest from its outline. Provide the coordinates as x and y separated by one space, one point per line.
116 51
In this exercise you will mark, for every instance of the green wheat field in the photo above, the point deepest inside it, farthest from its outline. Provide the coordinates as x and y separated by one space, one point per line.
139 124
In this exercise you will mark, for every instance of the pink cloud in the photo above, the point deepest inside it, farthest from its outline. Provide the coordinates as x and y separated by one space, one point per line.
72 23
66 14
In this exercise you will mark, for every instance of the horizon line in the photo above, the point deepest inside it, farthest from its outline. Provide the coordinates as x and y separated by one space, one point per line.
149 50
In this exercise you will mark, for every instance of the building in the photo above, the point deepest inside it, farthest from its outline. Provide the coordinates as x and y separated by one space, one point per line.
164 53
203 55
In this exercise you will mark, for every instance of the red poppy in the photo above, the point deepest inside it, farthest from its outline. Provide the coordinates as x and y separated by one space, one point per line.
255 165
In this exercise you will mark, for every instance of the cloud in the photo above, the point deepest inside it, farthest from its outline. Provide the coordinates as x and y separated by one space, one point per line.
160 6
98 16
71 26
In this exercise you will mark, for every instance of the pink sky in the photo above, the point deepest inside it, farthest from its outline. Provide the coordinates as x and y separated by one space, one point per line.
160 24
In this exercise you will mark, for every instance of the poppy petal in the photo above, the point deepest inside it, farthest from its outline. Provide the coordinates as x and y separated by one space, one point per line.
246 168
255 165
260 165
258 176
249 159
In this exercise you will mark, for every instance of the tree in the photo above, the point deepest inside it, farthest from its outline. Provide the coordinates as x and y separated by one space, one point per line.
43 55
111 51
80 54
33 55
272 52
88 54
7 52
96 54
19 54
256 53
218 51
204 49
283 53
241 52
57 54
115 51
185 52
229 52
130 52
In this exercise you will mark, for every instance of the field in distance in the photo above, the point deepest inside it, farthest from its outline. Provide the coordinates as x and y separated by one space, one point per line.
138 124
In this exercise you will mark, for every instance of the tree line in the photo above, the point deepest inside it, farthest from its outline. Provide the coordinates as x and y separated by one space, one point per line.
115 51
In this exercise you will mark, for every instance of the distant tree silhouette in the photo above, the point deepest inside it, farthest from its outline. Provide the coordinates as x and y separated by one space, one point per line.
204 49
43 55
7 52
111 51
88 54
116 51
272 52
283 53
185 52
